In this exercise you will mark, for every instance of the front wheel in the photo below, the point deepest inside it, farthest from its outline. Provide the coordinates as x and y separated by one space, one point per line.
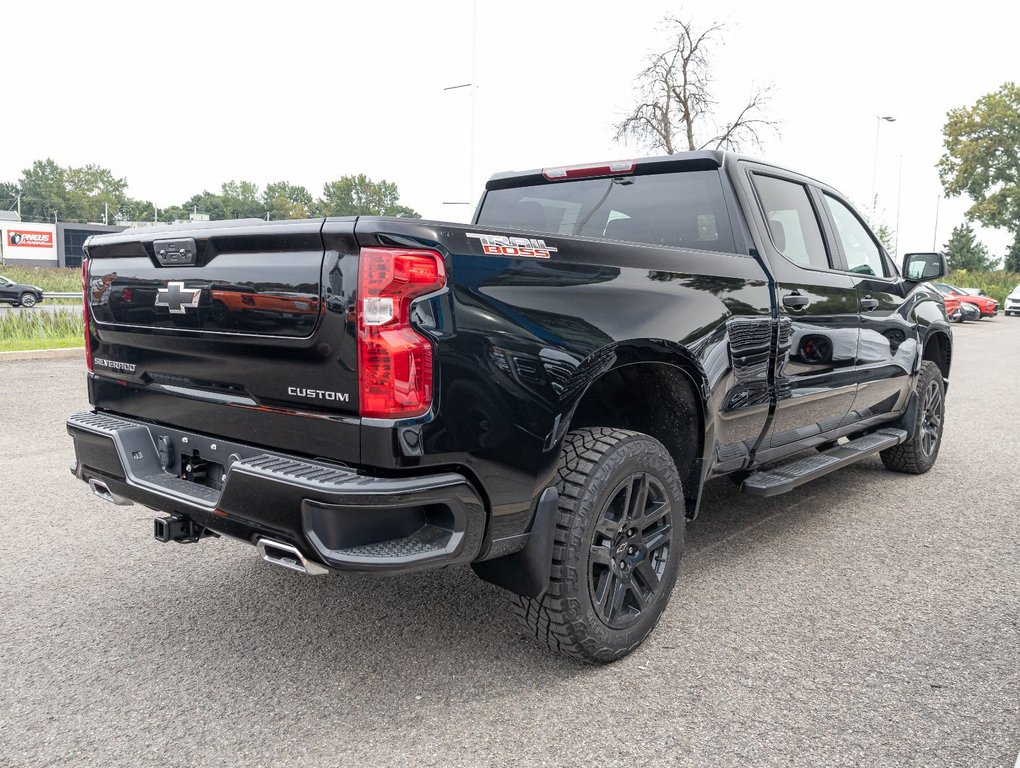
27 300
617 545
917 455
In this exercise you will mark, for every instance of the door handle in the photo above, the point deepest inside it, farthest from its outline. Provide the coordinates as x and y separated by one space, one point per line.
868 304
795 301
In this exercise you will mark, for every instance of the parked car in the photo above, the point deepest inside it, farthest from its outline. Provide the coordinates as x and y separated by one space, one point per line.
986 307
19 294
1013 302
973 291
968 311
953 309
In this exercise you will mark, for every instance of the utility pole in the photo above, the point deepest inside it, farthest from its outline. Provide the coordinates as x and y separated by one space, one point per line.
935 234
19 205
473 85
879 119
106 214
899 192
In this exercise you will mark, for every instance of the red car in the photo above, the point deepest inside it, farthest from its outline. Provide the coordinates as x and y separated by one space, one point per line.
953 311
988 307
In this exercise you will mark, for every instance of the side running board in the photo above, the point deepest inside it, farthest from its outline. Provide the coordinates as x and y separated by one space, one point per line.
786 477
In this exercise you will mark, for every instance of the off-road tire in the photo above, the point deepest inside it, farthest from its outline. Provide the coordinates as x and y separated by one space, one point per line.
914 456
594 465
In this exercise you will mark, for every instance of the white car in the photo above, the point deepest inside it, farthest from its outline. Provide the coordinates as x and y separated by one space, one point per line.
1013 302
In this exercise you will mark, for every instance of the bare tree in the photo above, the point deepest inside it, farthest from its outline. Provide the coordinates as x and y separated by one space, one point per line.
677 107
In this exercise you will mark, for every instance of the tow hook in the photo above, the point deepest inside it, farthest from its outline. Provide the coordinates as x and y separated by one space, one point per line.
179 528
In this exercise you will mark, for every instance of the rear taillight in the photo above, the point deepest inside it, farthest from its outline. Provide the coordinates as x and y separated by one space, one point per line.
85 313
394 362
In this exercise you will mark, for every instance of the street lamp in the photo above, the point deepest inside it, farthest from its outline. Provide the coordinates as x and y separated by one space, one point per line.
874 170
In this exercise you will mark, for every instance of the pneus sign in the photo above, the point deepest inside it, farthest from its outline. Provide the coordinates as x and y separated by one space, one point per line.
37 242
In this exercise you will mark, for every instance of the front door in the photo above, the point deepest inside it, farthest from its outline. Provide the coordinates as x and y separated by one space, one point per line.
888 345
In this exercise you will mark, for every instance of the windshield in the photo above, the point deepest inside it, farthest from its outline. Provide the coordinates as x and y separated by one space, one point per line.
5 281
684 209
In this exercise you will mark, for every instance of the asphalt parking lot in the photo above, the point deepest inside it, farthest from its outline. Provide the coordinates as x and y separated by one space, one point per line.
869 619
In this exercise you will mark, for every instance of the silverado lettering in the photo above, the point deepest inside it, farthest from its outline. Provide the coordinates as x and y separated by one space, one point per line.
526 409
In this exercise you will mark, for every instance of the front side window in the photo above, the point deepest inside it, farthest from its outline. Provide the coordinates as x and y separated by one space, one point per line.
862 253
792 222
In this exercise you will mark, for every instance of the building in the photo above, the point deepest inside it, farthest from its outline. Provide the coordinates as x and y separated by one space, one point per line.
29 244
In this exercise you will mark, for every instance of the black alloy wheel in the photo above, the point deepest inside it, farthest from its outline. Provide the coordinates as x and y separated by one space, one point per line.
617 544
931 418
630 550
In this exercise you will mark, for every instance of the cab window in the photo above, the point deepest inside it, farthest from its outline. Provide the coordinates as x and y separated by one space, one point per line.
792 222
862 253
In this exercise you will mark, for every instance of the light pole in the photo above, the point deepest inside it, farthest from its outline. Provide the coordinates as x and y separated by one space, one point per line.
473 85
879 119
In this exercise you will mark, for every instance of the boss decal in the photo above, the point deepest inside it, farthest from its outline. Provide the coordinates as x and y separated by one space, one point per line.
504 245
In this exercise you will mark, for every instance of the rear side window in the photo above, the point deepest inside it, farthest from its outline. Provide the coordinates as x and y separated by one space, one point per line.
792 221
860 249
684 209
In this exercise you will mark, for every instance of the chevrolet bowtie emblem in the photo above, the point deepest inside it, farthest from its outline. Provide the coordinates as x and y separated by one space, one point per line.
177 298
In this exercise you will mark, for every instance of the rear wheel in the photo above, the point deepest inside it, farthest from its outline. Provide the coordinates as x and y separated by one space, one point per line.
917 455
27 300
617 545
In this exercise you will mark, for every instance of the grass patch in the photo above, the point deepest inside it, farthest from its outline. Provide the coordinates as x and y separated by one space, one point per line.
24 345
50 279
40 330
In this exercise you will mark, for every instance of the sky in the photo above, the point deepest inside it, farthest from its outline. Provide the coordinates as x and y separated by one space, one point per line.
178 98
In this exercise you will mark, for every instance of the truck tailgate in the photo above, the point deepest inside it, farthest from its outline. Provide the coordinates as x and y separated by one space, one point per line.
241 329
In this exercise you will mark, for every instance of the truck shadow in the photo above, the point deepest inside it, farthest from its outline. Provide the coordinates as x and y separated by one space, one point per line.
384 644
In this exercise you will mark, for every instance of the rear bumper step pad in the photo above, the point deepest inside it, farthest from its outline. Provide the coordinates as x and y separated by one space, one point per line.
786 477
340 517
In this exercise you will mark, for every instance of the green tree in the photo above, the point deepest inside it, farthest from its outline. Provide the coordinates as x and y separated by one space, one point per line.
1012 261
360 196
235 200
982 158
9 192
283 200
963 251
887 237
88 193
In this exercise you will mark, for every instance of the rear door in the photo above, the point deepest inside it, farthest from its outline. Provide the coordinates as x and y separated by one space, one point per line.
818 333
238 329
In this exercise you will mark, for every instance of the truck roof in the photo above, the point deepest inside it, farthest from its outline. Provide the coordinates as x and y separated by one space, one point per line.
704 159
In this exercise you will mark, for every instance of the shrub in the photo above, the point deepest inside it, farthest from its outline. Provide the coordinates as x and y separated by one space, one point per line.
996 284
28 329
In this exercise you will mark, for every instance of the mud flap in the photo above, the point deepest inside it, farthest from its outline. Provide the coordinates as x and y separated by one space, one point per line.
527 572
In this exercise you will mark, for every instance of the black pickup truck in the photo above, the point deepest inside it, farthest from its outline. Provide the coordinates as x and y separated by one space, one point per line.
541 394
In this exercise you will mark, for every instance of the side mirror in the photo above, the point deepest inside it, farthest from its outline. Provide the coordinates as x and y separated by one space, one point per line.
919 267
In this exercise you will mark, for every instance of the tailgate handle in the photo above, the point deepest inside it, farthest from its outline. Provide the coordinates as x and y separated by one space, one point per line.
179 252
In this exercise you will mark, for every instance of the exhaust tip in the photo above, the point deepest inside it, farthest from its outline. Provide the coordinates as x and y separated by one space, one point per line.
289 557
102 490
